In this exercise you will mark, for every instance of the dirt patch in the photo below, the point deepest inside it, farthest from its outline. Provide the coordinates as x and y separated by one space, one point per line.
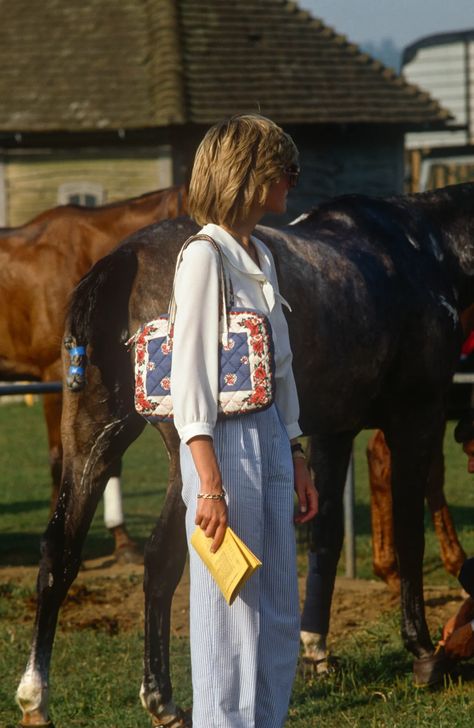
109 597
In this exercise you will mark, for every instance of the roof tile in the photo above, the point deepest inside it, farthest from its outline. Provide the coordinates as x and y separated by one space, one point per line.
102 64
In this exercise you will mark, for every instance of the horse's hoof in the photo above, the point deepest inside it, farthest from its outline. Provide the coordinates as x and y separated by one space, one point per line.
430 670
29 724
128 554
316 658
181 719
322 667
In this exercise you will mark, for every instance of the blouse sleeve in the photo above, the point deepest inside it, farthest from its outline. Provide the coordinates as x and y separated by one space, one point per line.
194 369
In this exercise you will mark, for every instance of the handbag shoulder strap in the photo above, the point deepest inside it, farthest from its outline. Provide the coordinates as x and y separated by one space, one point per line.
226 292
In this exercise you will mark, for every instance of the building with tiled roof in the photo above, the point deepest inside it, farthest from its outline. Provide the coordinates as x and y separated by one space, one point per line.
87 84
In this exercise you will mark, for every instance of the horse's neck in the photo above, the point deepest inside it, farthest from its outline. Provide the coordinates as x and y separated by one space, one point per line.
103 228
148 209
14 237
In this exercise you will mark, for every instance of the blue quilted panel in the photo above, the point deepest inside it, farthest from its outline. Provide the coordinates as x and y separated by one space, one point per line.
234 372
157 374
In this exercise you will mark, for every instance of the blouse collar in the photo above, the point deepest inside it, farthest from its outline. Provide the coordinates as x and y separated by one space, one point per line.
238 257
236 253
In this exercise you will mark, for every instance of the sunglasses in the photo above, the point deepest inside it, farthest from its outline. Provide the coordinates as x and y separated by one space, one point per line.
292 173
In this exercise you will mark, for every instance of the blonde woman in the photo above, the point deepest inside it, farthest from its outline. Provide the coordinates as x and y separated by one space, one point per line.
244 656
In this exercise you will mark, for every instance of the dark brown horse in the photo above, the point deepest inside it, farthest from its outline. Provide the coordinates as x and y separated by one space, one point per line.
40 263
375 286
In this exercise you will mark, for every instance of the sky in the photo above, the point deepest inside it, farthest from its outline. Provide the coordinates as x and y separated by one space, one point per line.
404 21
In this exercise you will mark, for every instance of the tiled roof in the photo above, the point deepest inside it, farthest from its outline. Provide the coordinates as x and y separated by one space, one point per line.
110 64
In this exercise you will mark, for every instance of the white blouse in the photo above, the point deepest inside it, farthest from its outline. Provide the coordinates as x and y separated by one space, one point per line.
194 372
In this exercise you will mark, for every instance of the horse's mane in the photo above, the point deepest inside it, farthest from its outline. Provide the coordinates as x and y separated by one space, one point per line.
139 199
53 212
423 200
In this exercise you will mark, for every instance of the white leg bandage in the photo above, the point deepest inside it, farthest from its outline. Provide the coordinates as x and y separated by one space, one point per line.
113 513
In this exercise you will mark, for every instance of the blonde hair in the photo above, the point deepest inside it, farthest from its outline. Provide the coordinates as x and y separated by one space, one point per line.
234 165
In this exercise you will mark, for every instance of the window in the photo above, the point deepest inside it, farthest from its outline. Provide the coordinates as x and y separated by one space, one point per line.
81 193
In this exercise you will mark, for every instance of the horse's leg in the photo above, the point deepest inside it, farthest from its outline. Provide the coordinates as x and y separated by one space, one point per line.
330 456
385 566
452 553
52 404
165 556
383 547
413 436
93 438
126 550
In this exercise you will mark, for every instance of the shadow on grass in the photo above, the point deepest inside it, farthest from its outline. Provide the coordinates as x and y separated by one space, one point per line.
20 549
24 506
23 549
440 601
463 516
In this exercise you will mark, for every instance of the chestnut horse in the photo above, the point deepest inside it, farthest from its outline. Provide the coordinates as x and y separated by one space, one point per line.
375 286
40 263
383 546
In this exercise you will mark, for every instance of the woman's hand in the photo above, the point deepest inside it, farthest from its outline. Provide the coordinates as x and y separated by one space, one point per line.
211 514
460 644
305 490
462 617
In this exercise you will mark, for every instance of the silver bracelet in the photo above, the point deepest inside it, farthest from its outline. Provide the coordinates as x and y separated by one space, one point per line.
213 496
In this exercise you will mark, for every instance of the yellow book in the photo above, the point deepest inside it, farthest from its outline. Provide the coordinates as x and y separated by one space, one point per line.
231 565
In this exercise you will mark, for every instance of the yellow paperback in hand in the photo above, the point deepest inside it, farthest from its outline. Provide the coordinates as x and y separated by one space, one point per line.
231 565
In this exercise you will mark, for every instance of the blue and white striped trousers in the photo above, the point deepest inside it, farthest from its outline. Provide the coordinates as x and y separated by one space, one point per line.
244 657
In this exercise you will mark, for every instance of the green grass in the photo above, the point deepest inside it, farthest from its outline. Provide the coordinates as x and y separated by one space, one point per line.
96 677
373 688
25 487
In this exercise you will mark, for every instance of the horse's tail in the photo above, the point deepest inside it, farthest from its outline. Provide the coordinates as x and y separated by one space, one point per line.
98 315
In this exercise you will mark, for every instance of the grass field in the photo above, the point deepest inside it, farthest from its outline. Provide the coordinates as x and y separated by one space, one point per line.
96 675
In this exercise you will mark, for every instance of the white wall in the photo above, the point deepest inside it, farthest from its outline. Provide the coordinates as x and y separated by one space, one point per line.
442 70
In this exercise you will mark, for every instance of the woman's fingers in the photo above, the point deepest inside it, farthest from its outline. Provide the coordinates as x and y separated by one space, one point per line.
449 628
211 516
218 537
313 498
306 492
311 507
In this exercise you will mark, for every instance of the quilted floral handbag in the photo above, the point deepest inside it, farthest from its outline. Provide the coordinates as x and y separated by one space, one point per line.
246 357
